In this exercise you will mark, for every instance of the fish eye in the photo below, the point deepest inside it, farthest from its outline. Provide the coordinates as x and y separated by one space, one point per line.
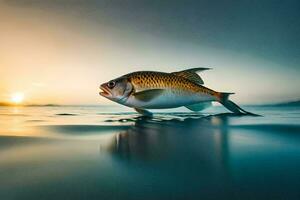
111 84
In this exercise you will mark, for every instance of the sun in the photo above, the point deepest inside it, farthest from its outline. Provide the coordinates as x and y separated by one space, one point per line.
17 97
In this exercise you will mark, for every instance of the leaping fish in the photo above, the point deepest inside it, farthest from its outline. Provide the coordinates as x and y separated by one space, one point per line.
144 90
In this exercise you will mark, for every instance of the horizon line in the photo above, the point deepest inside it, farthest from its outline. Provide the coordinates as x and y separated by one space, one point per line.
8 104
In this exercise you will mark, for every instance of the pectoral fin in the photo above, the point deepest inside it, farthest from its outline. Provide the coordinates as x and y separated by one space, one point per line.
148 95
199 106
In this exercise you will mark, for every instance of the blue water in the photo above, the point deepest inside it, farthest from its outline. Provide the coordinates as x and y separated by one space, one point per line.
110 152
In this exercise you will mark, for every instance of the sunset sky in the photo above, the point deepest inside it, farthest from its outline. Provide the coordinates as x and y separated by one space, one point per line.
59 51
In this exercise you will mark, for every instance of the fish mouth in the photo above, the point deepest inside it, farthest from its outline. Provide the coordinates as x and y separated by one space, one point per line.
105 91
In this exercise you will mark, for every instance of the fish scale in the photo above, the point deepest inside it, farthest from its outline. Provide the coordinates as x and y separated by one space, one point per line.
154 80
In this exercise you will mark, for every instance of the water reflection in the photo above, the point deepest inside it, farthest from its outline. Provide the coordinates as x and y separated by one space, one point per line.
149 139
190 146
208 153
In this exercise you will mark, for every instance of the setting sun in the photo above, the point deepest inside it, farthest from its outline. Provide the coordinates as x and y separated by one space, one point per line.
17 97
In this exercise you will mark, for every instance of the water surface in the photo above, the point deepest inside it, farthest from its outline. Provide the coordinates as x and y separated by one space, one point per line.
110 152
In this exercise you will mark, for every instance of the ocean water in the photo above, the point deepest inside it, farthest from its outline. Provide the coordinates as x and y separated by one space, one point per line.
111 152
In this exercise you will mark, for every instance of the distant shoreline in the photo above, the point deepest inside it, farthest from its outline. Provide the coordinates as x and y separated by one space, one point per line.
284 104
4 104
49 105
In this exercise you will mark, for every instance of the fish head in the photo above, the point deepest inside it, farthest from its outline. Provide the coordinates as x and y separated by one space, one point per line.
117 90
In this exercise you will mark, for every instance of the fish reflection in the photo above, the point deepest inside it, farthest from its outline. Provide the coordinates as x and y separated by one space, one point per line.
191 144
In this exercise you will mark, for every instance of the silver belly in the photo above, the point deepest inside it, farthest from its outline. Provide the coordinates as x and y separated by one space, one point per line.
169 99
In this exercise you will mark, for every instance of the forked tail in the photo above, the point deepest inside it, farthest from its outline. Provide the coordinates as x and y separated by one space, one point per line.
223 98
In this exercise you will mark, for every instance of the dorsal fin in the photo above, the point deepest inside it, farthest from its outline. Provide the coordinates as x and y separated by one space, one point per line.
191 74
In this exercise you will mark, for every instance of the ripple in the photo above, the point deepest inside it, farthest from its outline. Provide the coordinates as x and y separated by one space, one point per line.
82 129
66 114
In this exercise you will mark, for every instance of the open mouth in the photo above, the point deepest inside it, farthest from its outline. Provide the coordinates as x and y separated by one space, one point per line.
104 92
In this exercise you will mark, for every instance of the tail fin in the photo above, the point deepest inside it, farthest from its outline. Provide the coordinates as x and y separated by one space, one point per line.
223 99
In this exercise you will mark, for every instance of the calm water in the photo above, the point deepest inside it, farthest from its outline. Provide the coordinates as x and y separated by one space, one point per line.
112 153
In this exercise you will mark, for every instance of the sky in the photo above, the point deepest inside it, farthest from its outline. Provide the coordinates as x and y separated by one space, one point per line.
59 51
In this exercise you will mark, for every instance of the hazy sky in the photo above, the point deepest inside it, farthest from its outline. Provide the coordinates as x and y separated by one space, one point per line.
59 51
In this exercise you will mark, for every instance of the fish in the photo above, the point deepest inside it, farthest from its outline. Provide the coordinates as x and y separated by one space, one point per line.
143 90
